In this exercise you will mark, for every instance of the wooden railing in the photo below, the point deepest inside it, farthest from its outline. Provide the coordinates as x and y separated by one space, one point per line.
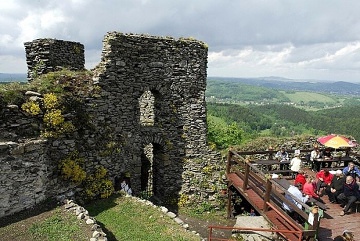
271 192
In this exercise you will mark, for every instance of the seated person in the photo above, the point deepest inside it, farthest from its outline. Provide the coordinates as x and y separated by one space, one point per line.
315 154
300 178
324 179
326 154
282 155
350 194
336 187
294 190
125 186
309 188
346 236
352 170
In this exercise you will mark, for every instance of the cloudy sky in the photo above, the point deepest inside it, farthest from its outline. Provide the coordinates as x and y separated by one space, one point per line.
297 39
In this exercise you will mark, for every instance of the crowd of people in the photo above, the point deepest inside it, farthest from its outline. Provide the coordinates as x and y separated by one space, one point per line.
342 187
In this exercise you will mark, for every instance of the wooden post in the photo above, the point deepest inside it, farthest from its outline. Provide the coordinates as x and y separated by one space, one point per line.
246 180
315 225
267 194
316 222
228 162
229 209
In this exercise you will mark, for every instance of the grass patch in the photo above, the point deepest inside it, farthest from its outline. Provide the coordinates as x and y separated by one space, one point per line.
124 218
306 97
50 225
57 227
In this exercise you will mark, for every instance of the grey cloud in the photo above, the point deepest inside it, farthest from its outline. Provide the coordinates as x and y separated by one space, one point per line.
288 33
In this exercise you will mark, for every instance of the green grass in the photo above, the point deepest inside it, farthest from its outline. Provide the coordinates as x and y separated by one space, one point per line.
50 225
302 96
57 228
126 219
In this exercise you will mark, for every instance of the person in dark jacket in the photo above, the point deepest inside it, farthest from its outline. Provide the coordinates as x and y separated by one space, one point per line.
336 186
349 195
347 236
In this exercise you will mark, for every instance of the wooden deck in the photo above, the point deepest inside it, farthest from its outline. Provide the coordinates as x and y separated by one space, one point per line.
331 225
258 203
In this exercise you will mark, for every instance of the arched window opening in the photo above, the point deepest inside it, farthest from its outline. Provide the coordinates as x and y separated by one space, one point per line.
147 113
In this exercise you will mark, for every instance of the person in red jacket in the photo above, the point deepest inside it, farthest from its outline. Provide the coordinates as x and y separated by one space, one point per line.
309 189
324 179
300 178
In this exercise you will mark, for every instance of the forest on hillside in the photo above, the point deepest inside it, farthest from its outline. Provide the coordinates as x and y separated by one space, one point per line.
249 122
245 115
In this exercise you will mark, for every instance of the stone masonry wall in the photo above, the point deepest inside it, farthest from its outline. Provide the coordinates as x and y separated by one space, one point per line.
47 55
135 72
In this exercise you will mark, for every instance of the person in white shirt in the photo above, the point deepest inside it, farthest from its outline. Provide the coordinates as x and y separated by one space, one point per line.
294 190
315 154
295 163
126 187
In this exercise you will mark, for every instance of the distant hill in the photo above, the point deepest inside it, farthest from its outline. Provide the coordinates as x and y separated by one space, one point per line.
339 87
12 77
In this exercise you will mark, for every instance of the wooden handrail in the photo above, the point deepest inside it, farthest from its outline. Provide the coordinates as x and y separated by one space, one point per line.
255 178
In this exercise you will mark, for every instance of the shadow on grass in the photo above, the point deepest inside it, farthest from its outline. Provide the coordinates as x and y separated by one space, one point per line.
40 208
98 206
109 235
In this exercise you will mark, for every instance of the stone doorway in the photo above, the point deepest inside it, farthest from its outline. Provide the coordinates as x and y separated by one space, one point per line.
153 171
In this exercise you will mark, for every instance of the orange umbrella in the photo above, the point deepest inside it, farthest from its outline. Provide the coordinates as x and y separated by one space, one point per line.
336 141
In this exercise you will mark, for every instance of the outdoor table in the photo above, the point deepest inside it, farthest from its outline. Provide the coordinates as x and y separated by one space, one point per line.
320 162
266 164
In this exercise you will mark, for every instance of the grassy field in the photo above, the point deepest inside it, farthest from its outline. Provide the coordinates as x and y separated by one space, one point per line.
306 97
123 218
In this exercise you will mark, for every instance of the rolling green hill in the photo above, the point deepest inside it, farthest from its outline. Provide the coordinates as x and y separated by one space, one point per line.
241 92
285 120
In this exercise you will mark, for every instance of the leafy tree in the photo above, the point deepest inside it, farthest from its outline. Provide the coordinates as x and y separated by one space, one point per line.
222 134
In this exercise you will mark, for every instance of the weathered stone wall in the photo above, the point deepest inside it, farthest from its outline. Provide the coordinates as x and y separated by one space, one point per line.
136 72
174 71
47 55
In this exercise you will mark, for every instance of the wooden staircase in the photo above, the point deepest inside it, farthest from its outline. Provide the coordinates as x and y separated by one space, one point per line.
266 197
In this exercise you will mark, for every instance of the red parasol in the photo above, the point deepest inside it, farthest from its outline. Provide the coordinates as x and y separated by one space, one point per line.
336 141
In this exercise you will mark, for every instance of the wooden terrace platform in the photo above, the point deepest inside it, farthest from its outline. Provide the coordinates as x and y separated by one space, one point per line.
266 197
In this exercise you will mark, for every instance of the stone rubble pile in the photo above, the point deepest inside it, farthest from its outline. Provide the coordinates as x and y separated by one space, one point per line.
82 214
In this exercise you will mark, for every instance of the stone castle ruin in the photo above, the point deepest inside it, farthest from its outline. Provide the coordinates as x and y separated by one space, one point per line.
147 123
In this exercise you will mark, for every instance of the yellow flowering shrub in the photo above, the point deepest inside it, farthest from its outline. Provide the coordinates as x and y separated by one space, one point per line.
100 172
183 200
50 101
53 118
71 170
97 185
31 107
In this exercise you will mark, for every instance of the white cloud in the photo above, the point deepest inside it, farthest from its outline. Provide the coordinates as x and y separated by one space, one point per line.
298 39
